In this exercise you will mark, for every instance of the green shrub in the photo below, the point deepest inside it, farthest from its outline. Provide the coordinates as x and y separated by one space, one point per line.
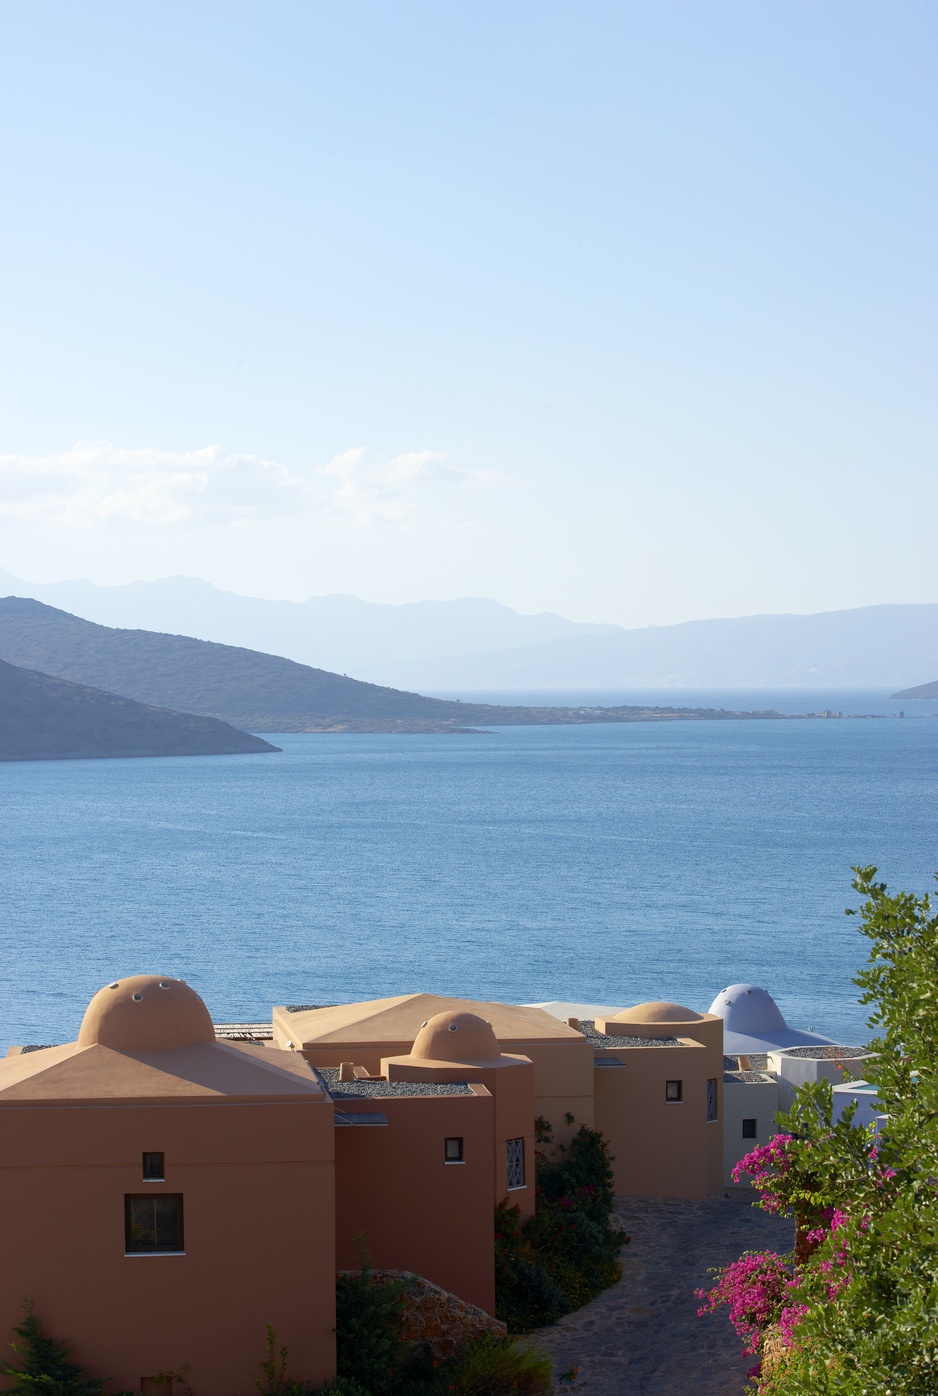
370 1348
46 1370
494 1366
567 1253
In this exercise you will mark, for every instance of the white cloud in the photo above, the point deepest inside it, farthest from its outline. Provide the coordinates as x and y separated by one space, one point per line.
97 484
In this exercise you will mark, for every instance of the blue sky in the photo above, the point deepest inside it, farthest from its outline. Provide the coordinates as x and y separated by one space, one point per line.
621 310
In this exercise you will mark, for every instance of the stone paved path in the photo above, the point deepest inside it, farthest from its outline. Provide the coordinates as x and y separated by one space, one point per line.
643 1337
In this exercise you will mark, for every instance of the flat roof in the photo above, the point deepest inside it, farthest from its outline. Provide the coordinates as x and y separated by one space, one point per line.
365 1089
601 1039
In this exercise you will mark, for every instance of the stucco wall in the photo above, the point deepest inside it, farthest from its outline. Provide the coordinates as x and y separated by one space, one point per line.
511 1085
753 1100
415 1211
660 1148
257 1183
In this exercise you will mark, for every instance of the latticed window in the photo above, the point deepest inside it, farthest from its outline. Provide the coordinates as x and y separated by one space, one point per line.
515 1154
712 1099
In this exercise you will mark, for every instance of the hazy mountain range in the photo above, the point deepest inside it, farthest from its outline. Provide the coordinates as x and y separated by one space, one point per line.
472 644
259 692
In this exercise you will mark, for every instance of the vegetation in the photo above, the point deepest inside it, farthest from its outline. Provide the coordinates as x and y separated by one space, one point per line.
374 1359
45 1369
567 1253
858 1313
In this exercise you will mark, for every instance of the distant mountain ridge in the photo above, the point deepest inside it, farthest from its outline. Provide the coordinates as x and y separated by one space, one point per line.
870 647
258 692
471 645
922 690
340 634
48 719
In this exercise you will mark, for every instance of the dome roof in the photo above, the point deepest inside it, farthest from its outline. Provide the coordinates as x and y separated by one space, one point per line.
656 1012
753 1021
747 1008
146 1013
456 1037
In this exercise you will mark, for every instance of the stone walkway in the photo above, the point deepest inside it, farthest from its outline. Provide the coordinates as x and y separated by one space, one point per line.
643 1337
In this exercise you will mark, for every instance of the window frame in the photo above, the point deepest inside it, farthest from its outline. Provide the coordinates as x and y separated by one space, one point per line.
129 1199
713 1101
515 1164
457 1139
147 1177
678 1097
754 1133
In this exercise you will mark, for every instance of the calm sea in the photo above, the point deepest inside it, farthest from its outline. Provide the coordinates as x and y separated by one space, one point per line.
608 864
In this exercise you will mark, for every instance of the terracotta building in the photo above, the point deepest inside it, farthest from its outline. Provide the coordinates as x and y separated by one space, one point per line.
154 1185
167 1192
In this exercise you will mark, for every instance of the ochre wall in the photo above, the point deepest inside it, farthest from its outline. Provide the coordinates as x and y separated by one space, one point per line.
416 1211
257 1184
511 1085
662 1148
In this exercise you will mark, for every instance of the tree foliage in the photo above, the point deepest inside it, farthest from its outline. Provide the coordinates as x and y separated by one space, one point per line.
863 1309
45 1369
567 1253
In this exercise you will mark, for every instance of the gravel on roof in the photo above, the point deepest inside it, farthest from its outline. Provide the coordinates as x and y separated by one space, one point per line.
244 1032
364 1090
307 1007
758 1061
601 1039
748 1077
825 1053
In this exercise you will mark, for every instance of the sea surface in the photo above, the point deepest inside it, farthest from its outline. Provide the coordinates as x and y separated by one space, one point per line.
606 864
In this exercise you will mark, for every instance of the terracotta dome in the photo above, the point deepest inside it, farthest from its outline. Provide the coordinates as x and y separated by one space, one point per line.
456 1037
146 1013
656 1012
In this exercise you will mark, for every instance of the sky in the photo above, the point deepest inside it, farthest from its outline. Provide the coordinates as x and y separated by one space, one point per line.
620 310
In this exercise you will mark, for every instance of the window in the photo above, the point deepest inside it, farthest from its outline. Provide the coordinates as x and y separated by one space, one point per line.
153 1168
674 1090
711 1099
750 1129
153 1224
515 1157
452 1150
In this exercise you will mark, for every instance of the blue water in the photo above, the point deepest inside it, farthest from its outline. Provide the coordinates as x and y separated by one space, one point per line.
608 863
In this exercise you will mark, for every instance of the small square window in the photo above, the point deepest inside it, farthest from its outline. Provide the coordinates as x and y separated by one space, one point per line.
154 1170
452 1150
674 1090
153 1223
750 1129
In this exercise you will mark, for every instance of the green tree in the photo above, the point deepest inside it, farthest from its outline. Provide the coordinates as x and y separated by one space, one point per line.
863 1311
45 1369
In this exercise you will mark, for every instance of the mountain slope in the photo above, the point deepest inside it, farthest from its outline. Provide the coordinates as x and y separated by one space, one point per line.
260 692
922 690
870 647
46 719
338 633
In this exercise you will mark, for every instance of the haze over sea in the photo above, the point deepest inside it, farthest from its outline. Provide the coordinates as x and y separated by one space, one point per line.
606 863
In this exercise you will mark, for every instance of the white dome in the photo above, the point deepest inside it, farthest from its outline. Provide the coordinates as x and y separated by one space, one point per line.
753 1021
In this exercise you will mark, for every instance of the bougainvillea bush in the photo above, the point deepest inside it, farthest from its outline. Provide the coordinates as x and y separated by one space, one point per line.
860 1314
